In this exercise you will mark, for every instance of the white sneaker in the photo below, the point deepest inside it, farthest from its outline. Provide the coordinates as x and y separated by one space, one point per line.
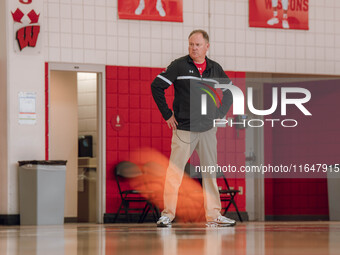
273 21
285 24
160 10
221 221
164 221
140 8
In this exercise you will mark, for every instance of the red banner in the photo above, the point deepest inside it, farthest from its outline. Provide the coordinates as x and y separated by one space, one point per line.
288 14
160 10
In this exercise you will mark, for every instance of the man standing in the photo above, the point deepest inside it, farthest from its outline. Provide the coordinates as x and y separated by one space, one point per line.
192 131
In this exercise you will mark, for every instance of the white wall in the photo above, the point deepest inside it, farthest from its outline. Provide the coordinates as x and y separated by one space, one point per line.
88 31
87 106
3 112
25 73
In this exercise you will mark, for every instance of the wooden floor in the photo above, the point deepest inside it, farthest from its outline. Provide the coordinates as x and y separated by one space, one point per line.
271 238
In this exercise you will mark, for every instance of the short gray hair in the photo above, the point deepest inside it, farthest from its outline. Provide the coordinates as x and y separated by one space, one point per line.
201 31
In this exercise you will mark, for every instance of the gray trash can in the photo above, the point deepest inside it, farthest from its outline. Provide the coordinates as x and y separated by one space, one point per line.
42 192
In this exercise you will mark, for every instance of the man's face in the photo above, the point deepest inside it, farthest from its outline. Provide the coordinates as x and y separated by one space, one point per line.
198 47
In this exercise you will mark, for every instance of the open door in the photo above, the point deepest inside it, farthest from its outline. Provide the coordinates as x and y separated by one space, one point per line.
76 113
313 141
63 136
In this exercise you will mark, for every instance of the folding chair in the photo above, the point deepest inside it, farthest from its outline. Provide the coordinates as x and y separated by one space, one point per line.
125 172
228 195
154 185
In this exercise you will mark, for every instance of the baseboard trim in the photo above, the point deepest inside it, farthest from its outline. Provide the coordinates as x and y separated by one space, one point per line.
9 219
234 216
14 219
70 220
134 217
297 217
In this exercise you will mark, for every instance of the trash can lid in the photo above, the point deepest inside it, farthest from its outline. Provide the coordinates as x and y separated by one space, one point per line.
43 162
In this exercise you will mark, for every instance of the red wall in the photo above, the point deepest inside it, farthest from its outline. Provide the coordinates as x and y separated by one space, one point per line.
315 140
128 94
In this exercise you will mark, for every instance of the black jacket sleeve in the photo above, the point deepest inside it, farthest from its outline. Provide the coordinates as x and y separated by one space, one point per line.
227 99
160 83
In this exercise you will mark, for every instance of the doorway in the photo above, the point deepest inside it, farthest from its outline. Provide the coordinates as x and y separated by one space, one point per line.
76 133
312 141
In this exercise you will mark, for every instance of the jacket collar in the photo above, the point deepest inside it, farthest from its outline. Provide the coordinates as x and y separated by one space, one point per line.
209 64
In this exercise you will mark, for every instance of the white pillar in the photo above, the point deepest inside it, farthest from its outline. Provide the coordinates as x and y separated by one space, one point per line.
3 111
24 72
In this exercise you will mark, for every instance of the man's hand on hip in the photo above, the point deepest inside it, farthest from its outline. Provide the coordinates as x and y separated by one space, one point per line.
172 122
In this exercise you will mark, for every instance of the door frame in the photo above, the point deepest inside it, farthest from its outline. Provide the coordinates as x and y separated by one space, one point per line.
255 197
255 183
101 131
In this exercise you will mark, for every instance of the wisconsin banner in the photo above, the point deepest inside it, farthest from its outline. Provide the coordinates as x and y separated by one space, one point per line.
284 14
160 10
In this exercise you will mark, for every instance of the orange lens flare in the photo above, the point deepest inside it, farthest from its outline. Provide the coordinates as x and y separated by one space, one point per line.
190 203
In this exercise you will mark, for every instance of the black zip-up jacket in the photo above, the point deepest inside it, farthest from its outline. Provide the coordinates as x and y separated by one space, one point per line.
189 85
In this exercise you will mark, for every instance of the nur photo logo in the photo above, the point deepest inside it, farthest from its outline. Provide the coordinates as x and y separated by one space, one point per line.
239 103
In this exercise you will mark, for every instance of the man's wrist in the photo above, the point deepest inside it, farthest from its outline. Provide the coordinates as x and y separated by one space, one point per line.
168 115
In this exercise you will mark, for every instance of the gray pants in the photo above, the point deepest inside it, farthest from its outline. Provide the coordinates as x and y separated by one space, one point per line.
182 146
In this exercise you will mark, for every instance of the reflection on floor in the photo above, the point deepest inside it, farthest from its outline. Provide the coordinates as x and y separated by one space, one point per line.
246 238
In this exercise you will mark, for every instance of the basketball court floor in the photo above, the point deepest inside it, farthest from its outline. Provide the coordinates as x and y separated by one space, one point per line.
270 238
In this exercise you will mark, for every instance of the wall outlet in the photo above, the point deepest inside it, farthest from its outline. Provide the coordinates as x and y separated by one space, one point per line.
240 188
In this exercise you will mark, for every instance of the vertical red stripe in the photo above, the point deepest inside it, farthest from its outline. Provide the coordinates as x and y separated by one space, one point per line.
46 111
